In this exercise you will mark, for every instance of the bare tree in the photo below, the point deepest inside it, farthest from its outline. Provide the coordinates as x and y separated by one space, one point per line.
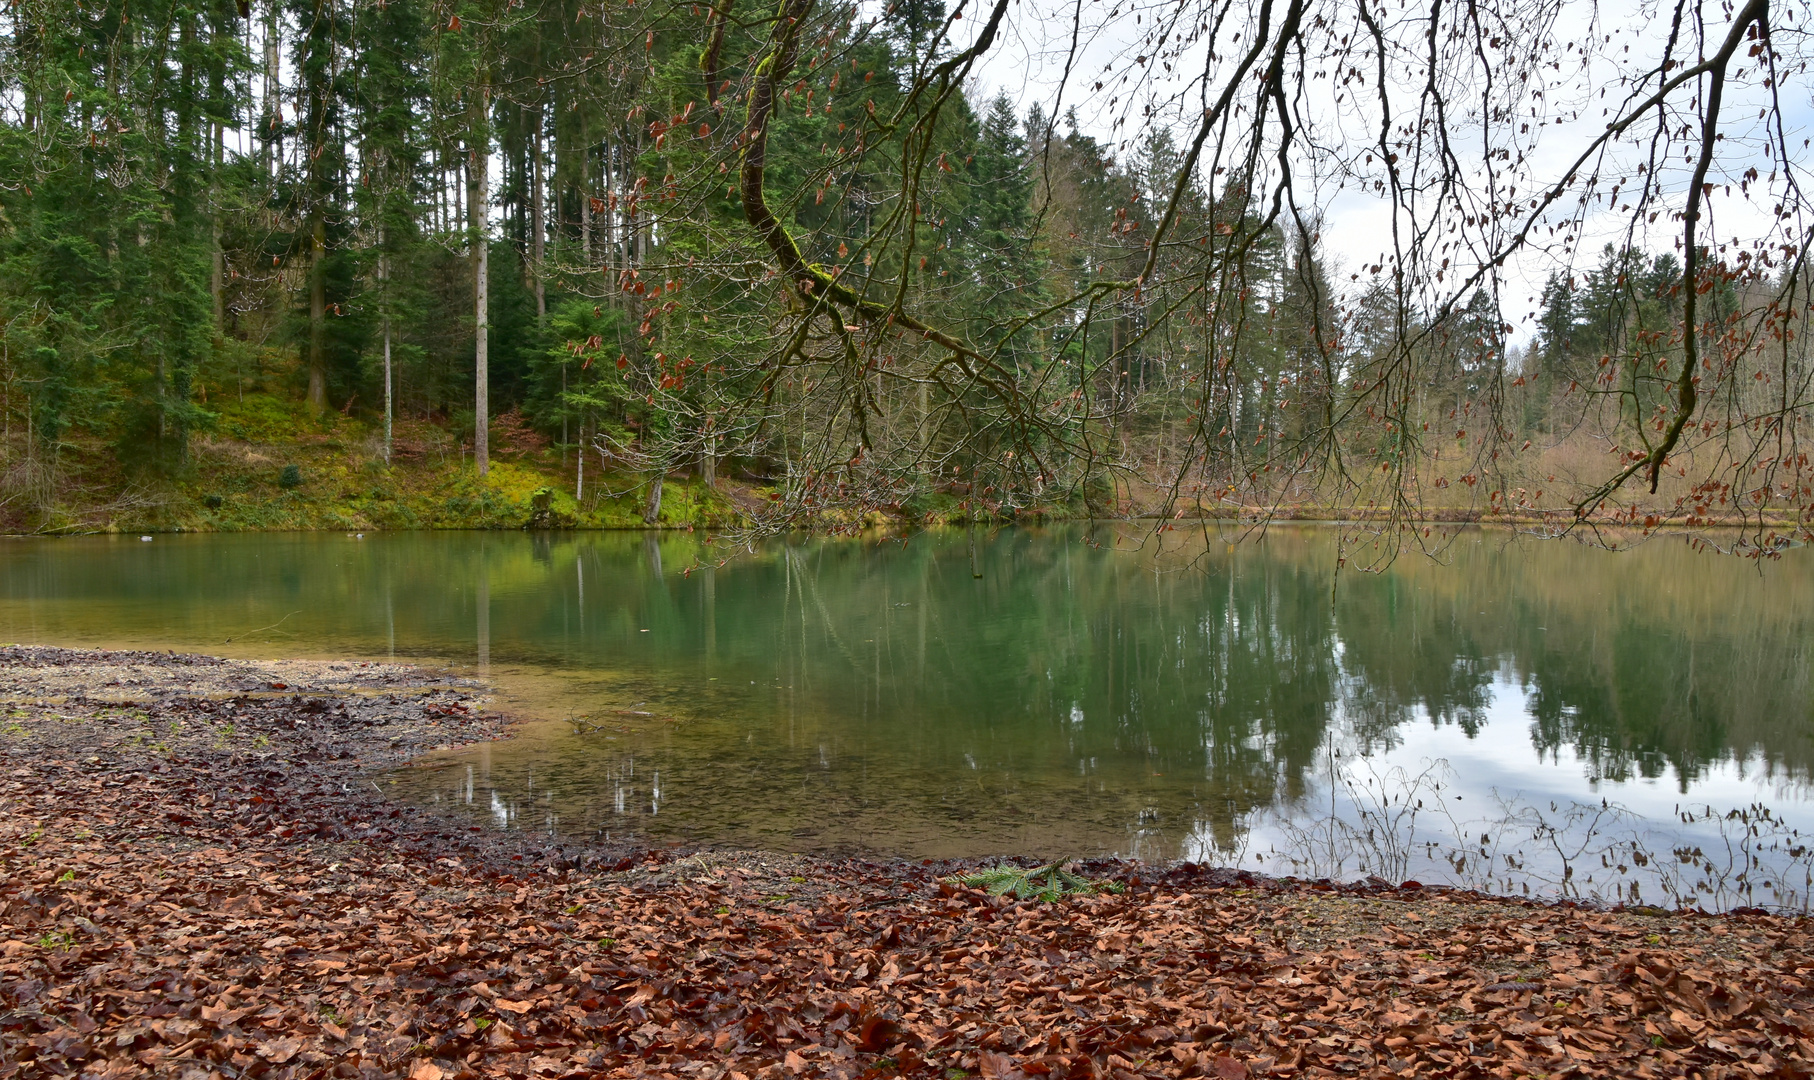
1285 112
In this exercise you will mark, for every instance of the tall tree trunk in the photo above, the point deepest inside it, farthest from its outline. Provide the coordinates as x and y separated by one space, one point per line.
384 277
217 156
585 206
318 310
608 226
923 436
538 220
478 199
217 276
271 148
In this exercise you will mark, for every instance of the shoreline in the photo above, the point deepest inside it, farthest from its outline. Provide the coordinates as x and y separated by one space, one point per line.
199 873
1560 519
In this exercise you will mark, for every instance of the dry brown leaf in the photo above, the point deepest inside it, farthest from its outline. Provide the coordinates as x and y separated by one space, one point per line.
279 1051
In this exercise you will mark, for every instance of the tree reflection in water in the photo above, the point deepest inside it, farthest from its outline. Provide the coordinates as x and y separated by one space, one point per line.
1107 690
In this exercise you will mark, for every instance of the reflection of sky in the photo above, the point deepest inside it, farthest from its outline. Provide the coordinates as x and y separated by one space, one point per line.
1500 758
1494 773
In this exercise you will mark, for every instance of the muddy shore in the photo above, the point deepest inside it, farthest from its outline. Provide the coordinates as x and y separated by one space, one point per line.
199 876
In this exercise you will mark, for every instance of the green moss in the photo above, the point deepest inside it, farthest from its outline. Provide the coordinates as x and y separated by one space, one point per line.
263 418
234 481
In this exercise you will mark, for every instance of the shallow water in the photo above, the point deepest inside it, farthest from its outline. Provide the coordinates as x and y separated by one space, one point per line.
1053 691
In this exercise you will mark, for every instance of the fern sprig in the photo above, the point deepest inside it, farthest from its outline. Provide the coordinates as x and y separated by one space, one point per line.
1048 883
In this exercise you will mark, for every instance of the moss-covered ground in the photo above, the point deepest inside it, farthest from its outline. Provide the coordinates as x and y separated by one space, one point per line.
264 466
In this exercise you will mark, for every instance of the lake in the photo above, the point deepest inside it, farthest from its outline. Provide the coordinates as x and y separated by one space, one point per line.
1513 714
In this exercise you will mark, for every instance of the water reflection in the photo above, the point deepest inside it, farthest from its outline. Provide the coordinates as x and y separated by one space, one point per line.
1049 692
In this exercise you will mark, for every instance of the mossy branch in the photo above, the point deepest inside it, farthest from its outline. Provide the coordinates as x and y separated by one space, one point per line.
813 280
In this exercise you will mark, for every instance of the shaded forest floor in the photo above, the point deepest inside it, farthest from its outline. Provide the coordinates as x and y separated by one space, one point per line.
201 876
264 467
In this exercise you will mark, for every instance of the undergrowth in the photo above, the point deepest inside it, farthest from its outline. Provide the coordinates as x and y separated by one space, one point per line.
265 466
1048 883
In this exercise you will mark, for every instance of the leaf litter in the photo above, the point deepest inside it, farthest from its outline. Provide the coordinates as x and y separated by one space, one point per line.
195 907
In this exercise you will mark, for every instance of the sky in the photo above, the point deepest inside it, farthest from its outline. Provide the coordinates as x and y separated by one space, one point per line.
1591 46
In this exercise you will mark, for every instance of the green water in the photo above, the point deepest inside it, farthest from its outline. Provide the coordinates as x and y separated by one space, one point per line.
1043 691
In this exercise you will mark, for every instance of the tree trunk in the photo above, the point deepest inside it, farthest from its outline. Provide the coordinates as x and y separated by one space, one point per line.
318 311
651 511
584 172
271 148
617 203
384 278
538 221
478 198
217 278
924 438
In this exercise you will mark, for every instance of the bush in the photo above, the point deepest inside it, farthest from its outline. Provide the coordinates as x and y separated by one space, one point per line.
291 477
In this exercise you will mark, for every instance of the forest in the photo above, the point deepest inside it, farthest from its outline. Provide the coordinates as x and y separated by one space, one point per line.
803 265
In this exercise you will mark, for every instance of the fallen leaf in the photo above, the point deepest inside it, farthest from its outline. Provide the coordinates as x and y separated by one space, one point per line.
878 1033
278 1051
